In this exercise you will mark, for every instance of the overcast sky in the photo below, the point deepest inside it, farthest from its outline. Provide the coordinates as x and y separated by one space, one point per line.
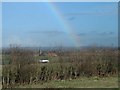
54 24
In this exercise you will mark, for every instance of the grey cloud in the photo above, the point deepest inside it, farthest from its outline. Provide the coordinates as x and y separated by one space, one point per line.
71 18
106 33
111 33
49 33
52 32
89 13
96 33
102 33
82 34
79 13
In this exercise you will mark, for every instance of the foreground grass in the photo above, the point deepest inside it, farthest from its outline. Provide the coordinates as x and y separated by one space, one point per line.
84 82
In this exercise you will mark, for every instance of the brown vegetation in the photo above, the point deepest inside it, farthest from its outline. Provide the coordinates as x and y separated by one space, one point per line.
23 69
52 54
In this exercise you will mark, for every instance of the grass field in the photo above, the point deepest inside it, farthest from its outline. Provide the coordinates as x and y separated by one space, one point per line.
83 82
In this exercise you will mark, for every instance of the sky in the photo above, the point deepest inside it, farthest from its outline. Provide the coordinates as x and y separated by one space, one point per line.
70 24
0 26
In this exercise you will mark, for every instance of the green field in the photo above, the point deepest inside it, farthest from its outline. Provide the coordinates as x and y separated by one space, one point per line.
83 82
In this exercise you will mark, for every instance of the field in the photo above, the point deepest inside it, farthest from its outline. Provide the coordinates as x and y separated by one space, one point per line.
83 82
96 67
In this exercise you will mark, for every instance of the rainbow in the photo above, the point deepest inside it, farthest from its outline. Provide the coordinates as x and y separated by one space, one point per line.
65 25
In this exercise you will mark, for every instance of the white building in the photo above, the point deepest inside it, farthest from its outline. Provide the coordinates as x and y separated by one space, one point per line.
43 61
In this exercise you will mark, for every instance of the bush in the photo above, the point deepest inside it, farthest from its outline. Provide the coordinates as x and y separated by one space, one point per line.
23 69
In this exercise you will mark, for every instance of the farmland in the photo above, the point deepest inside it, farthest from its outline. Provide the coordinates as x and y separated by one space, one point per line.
73 68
